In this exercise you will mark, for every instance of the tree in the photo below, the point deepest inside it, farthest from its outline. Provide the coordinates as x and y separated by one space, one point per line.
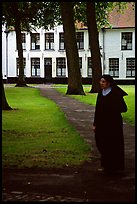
12 17
47 14
95 16
17 17
25 16
94 46
5 105
74 75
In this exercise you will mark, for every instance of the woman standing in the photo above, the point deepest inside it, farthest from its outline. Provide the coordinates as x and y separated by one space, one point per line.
108 125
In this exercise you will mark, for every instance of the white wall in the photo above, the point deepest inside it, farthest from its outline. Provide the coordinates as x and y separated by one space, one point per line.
111 49
3 54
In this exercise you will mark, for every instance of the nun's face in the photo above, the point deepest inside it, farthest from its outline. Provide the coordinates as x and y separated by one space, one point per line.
104 84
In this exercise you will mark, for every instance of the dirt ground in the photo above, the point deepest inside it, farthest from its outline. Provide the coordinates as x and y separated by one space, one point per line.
73 184
67 184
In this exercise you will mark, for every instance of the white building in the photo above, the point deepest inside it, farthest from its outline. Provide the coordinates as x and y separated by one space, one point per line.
45 56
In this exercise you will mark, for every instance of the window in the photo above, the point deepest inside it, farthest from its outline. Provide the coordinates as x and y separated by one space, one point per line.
35 41
24 64
80 40
126 41
79 37
23 37
114 67
89 67
130 67
80 64
49 41
61 41
61 66
35 67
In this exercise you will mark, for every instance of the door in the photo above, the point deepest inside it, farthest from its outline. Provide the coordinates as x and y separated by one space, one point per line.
48 69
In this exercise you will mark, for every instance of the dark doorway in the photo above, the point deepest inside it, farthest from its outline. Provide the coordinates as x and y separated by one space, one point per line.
48 69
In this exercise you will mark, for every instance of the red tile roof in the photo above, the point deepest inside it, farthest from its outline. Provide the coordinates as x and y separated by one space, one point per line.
80 25
126 19
121 20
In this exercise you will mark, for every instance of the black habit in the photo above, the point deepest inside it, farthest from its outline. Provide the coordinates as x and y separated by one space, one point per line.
109 128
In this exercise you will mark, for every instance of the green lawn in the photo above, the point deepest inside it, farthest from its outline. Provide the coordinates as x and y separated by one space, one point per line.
89 98
36 133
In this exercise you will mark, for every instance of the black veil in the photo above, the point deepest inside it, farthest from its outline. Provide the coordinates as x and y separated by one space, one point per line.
113 84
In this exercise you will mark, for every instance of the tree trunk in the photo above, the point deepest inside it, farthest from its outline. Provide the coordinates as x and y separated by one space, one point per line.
5 105
94 46
74 75
21 80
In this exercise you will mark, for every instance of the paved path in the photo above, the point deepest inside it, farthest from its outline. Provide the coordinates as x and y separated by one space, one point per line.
77 113
82 115
75 185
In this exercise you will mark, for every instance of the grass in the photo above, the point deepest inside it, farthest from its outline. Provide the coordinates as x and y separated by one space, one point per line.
90 99
37 134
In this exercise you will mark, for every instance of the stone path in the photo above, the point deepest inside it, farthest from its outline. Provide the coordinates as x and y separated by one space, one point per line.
77 113
82 115
74 184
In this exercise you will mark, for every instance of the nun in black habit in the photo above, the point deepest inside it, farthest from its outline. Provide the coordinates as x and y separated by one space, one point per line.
108 125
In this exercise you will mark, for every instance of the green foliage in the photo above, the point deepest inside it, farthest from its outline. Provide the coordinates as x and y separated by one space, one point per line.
47 14
103 10
32 14
37 134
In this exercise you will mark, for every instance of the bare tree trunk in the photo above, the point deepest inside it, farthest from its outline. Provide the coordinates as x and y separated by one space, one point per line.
74 75
94 46
5 105
21 80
